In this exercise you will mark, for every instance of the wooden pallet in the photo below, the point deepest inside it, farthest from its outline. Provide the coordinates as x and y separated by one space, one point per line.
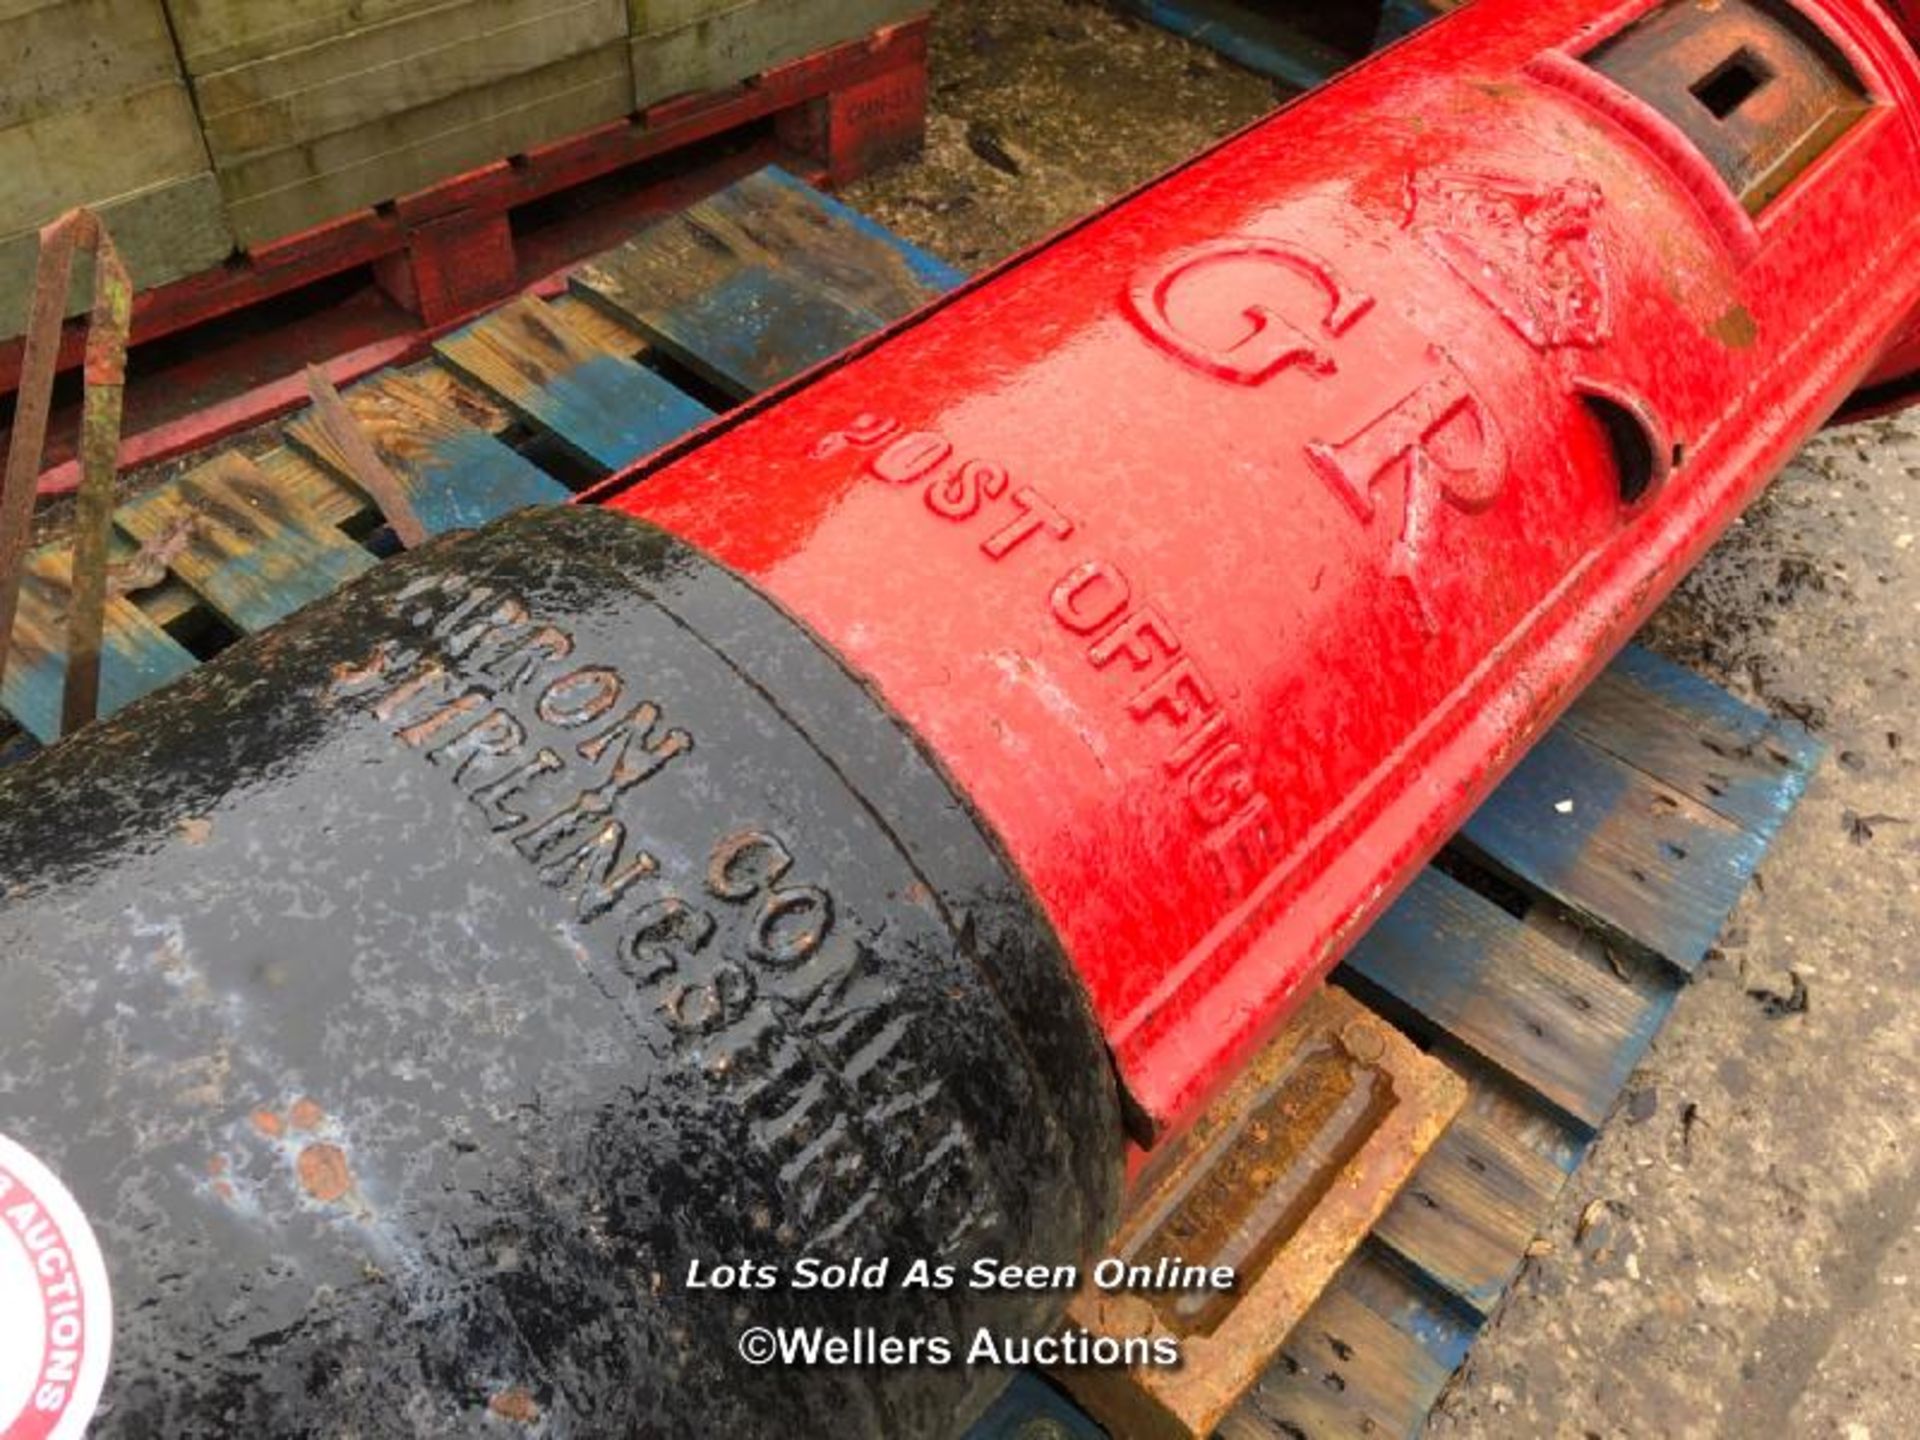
524 406
1539 956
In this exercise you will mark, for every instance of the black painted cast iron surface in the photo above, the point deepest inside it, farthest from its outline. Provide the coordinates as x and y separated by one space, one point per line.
409 996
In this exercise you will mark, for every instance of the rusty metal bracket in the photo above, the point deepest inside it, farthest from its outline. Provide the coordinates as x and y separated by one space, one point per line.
1279 1181
106 373
363 462
1754 85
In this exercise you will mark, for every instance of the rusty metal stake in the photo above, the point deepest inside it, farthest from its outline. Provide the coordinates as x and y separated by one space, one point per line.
363 462
107 327
106 384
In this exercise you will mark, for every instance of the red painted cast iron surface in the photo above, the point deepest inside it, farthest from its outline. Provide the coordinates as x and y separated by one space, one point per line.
1228 548
1907 12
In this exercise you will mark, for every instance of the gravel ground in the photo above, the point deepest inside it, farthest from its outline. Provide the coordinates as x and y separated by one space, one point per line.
1763 1278
1762 1274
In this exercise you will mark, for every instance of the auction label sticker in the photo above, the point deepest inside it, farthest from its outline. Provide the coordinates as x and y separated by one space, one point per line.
56 1316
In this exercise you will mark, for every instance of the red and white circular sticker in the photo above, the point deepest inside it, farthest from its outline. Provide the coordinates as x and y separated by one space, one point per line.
56 1317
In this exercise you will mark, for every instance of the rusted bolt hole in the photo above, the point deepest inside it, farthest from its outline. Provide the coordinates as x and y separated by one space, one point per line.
1731 83
1638 460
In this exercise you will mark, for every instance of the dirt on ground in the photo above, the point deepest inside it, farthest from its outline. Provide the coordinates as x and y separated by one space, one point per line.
1044 110
1764 1175
1763 1181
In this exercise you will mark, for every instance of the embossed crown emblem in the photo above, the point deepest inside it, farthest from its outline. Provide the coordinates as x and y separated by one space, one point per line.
1530 252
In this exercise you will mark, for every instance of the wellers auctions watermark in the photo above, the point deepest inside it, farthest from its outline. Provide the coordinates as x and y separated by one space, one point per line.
866 1346
810 1345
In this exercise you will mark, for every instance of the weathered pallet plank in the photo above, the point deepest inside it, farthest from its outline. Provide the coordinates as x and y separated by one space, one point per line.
811 235
1347 1370
166 602
1549 1019
603 407
1737 761
758 283
1413 1306
1400 18
571 376
743 327
1713 705
1465 1222
136 655
1471 1210
599 326
253 554
1618 847
457 475
1262 38
1517 1110
315 486
757 329
1254 38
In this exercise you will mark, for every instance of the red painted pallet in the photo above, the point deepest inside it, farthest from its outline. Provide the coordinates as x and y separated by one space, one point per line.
377 286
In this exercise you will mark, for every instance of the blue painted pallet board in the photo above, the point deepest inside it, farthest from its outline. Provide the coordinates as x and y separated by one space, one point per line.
1554 1022
1545 1024
1648 808
752 329
1469 1213
1369 1358
136 655
1465 1219
762 281
1739 762
1245 37
1547 1031
854 253
252 553
604 408
1400 18
1621 849
456 474
1031 1409
800 276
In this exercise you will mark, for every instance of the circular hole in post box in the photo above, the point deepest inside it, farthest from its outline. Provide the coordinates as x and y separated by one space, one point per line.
1640 454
